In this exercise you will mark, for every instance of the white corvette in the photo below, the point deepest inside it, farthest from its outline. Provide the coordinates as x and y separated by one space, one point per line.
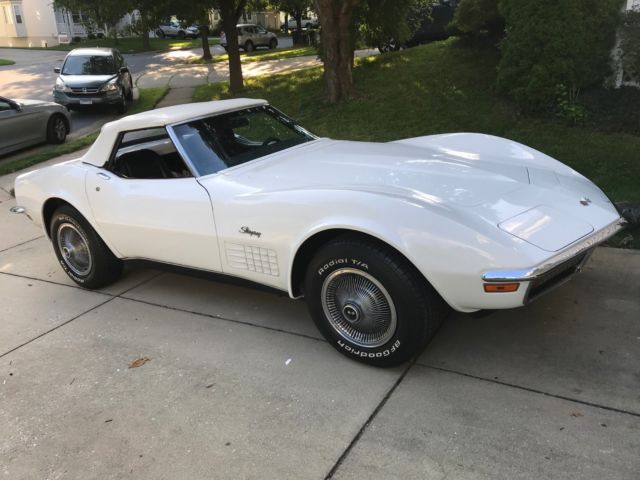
380 238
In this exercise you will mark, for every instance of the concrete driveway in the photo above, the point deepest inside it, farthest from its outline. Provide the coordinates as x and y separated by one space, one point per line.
235 383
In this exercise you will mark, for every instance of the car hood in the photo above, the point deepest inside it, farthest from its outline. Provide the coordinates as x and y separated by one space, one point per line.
86 81
496 189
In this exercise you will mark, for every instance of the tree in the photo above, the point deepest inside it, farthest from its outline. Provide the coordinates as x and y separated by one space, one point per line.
337 43
99 12
152 12
230 11
555 48
197 12
296 8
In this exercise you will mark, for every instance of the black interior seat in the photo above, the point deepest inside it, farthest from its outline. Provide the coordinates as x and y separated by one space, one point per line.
141 164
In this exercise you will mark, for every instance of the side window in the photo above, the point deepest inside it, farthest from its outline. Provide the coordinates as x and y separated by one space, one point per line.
4 106
261 29
148 154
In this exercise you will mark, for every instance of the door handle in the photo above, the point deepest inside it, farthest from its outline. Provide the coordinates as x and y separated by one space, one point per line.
103 175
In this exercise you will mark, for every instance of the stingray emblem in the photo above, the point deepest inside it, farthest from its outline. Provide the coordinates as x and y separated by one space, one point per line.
251 233
585 201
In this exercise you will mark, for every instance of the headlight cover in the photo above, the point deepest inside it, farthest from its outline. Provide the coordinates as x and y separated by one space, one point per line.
60 86
110 86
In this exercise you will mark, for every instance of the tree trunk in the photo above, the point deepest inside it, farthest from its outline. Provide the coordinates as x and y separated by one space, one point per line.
337 47
144 25
229 22
204 35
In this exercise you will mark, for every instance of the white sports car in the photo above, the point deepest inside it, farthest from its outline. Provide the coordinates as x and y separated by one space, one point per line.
380 238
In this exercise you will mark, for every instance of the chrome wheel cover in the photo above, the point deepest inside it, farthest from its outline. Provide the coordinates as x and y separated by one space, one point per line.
358 308
60 129
74 249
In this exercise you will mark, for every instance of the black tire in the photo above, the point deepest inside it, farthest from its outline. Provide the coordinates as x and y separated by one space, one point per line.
57 129
273 43
121 106
181 35
308 26
160 34
84 257
129 93
248 46
352 281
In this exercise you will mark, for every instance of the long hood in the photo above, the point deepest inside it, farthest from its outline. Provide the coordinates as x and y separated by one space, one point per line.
391 167
86 81
494 188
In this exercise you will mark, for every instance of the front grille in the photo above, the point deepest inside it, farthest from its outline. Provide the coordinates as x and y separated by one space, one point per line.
556 276
85 91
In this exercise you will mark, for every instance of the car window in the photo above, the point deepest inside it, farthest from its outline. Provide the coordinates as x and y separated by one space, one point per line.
89 65
4 106
261 29
215 143
148 154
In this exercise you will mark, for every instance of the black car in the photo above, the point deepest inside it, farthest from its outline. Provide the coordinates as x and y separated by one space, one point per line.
93 76
434 26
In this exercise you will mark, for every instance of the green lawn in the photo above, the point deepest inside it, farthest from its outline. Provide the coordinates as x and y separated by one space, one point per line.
149 98
134 44
4 62
437 88
262 55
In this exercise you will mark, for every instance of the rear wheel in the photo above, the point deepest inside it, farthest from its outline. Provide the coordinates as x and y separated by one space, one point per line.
160 34
181 35
83 255
56 129
273 43
370 303
248 47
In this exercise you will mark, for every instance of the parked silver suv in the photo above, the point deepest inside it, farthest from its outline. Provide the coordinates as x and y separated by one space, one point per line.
251 36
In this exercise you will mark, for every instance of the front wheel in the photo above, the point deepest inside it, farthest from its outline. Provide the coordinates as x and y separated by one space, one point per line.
248 47
83 255
56 129
370 303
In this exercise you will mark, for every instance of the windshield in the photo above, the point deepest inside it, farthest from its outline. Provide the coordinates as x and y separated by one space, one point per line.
215 143
89 65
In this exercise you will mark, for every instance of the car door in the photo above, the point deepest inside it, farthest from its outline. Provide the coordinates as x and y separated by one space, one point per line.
262 35
19 126
148 205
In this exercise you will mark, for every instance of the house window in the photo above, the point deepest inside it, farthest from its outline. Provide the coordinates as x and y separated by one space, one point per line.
7 15
18 12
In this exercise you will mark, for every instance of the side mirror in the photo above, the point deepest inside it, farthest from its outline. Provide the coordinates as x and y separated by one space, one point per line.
56 70
15 105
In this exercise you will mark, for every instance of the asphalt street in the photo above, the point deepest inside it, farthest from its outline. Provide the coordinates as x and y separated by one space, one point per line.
32 76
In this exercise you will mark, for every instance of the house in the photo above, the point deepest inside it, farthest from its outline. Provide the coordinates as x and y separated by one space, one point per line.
35 23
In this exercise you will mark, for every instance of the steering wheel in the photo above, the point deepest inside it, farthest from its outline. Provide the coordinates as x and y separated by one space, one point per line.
270 141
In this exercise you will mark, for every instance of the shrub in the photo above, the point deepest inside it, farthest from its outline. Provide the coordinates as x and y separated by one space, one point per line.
630 44
475 17
552 43
91 36
76 39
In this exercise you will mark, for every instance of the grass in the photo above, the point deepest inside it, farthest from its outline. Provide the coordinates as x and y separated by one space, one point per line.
133 44
438 88
4 62
261 55
149 98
